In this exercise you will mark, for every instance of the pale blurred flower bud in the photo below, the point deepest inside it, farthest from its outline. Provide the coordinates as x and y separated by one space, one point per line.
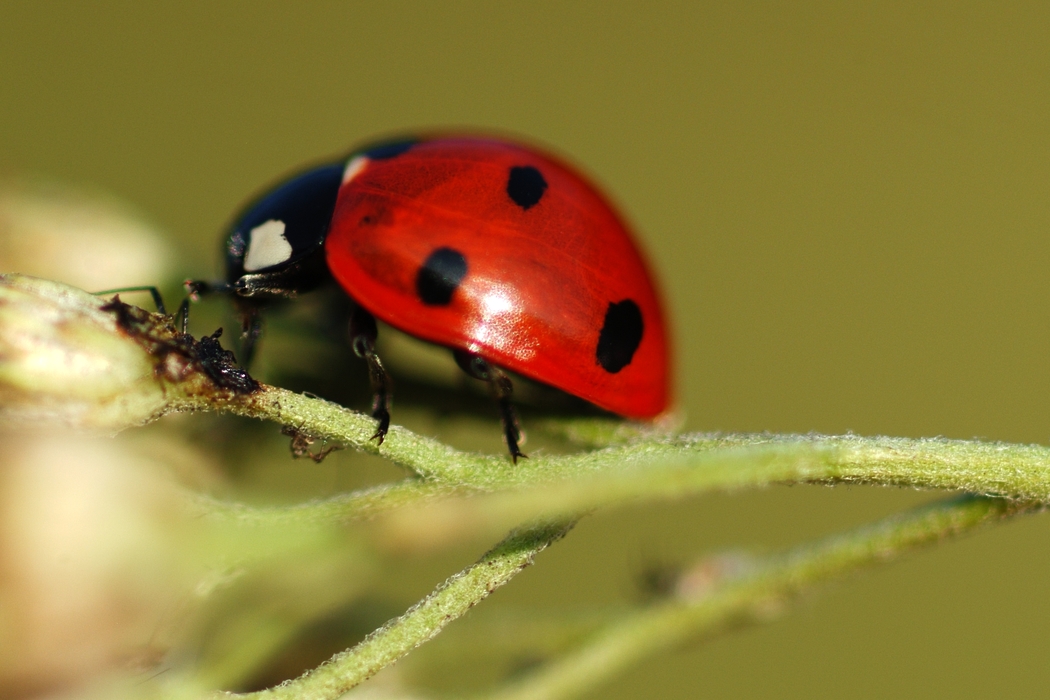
64 358
88 240
98 559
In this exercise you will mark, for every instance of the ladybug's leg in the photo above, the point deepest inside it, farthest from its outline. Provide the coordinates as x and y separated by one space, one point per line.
158 301
502 389
195 289
251 329
363 340
249 313
184 314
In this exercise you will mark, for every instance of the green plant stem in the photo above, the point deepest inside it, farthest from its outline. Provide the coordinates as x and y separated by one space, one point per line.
318 418
443 503
457 494
345 507
420 623
994 469
754 597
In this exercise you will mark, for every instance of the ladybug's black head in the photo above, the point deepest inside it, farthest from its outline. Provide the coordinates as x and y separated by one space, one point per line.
275 247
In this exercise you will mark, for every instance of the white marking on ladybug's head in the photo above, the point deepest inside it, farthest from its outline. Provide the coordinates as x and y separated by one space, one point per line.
267 246
354 168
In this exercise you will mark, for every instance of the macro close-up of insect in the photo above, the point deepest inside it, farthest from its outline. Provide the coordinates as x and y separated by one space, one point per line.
495 250
405 351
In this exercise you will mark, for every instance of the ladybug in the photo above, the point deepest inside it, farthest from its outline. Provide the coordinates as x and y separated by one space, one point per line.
496 250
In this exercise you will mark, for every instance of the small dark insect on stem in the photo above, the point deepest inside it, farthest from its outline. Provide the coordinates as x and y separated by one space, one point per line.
302 442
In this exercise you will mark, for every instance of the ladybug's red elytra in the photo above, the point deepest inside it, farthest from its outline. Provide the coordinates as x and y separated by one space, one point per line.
498 251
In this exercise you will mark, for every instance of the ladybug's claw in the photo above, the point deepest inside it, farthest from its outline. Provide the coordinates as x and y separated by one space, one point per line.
511 431
383 416
516 454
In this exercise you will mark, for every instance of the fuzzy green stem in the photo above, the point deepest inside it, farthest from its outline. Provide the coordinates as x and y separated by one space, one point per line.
444 504
754 597
994 469
420 623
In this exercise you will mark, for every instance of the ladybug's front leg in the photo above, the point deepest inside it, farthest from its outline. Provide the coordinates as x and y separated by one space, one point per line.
363 334
158 300
502 389
251 328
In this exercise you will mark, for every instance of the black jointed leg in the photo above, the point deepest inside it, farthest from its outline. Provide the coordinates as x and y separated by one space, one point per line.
502 389
183 315
251 329
158 300
363 334
248 311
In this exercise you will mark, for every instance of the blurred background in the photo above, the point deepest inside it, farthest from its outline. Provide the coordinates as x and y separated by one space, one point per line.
847 204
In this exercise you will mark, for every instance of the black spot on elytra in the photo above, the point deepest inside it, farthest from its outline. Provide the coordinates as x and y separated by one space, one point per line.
526 185
386 151
620 336
439 276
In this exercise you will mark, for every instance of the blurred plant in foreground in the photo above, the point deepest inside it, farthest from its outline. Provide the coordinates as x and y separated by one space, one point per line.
126 572
92 579
86 239
64 360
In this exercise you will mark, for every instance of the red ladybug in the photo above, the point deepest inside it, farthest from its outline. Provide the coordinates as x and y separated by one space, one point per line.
498 251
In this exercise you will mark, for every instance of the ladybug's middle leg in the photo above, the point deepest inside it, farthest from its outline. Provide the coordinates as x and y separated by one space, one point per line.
363 334
502 389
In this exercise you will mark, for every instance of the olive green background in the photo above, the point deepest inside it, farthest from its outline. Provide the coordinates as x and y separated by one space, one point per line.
847 204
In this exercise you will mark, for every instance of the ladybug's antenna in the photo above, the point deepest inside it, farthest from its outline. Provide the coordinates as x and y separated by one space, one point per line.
201 288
